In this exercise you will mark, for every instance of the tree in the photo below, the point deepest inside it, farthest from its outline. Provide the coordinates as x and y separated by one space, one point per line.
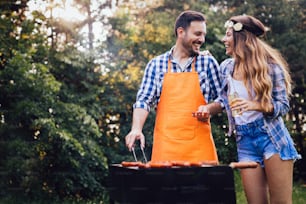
50 137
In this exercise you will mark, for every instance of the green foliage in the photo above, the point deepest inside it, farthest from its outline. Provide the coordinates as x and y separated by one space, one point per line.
50 138
57 140
72 160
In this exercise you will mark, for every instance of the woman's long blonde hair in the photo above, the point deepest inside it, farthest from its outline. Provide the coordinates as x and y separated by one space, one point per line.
253 56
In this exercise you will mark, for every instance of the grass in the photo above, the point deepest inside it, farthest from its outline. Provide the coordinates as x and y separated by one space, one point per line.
298 193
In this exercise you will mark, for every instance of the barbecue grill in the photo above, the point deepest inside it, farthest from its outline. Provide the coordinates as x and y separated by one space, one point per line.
209 184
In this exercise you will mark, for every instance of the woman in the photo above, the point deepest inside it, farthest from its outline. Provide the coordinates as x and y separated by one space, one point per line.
259 76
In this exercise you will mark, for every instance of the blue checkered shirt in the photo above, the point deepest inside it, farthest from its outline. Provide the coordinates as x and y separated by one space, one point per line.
149 93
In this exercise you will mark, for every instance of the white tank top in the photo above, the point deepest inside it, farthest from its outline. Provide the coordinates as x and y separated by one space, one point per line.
247 116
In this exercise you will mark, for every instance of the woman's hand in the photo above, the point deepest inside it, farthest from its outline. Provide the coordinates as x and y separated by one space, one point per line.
242 105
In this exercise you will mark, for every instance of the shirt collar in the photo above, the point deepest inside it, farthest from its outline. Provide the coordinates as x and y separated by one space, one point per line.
190 59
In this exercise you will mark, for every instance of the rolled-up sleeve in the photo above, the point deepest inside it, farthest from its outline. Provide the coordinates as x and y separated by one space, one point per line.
146 95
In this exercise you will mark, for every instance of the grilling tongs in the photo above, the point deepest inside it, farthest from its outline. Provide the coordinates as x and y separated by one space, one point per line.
143 154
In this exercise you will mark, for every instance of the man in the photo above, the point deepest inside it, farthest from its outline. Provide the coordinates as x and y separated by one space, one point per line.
179 82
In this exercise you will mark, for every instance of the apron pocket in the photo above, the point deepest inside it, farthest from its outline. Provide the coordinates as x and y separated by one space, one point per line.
181 127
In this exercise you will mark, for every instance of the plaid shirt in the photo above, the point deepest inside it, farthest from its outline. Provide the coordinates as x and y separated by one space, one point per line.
274 123
150 90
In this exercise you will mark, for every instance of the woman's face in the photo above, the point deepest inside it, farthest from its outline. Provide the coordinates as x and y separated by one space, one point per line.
228 41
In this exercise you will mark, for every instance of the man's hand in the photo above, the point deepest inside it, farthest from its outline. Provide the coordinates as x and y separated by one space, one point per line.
132 137
139 117
202 114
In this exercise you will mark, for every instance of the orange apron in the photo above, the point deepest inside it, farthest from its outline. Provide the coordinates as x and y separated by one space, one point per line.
178 136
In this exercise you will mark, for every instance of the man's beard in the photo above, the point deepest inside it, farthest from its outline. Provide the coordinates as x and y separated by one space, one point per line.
190 50
193 54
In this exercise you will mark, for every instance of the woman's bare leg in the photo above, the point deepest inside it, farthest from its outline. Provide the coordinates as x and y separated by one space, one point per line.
279 176
255 185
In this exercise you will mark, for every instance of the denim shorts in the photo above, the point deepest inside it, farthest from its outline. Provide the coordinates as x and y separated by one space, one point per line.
254 143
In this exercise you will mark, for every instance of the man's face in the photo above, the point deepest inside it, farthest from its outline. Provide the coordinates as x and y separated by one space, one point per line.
193 37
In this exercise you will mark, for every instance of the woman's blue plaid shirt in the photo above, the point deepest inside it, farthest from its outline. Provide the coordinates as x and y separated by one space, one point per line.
274 123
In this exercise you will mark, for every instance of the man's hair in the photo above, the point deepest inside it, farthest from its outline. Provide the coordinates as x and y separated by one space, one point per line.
185 18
